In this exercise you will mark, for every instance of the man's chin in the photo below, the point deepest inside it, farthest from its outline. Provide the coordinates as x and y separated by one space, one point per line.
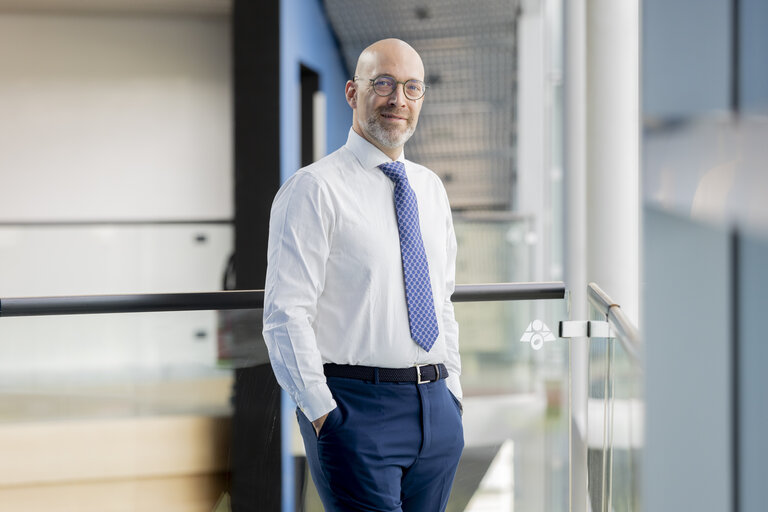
388 139
393 143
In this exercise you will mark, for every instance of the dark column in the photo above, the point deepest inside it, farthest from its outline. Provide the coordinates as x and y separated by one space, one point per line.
310 84
256 440
736 414
257 133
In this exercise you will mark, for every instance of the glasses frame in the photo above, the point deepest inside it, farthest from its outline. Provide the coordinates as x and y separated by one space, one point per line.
372 80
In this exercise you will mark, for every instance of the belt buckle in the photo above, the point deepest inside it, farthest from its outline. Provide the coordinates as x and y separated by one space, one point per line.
419 380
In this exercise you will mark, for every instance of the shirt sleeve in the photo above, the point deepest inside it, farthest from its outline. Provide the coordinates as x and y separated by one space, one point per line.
450 326
300 228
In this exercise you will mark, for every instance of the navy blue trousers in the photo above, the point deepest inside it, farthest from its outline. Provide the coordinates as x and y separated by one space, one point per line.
387 446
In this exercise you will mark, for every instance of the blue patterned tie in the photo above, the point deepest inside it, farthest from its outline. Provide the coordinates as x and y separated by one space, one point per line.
418 291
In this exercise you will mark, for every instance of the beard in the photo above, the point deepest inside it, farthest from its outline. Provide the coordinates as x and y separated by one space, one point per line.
389 137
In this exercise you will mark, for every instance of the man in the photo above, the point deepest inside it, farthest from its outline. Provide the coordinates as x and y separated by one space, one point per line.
357 312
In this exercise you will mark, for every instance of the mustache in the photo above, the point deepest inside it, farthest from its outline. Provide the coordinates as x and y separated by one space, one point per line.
395 112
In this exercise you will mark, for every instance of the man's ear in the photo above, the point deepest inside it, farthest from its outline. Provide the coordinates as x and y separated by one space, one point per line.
351 93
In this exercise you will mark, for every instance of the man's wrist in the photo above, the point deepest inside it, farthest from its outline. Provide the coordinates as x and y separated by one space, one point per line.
316 401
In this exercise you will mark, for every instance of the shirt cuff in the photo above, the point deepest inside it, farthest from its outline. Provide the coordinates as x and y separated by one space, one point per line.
316 401
454 385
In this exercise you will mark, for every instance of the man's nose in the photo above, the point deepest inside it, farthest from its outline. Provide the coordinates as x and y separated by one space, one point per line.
398 95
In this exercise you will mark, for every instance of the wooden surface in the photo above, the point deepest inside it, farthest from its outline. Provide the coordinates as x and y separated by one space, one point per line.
197 493
61 451
148 446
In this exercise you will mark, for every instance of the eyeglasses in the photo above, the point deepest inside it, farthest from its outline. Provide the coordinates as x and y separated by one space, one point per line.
385 85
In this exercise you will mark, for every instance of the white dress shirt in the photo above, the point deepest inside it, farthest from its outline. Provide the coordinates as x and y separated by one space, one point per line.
334 288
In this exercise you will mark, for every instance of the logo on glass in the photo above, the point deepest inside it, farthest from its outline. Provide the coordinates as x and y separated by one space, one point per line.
536 334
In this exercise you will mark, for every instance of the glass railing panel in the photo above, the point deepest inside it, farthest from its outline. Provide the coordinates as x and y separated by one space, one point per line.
627 415
614 431
127 403
114 412
599 425
516 408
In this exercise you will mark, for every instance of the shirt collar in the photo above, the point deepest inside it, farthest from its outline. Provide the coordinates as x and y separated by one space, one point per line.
370 156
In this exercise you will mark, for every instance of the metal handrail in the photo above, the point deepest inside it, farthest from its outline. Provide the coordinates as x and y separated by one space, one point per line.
628 334
237 299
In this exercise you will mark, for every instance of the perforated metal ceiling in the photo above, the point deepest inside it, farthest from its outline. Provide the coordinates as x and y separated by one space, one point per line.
466 130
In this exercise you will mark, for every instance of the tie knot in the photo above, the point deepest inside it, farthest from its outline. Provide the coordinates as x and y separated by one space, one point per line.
394 170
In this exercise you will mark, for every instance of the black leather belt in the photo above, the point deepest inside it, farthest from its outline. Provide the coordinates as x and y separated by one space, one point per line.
420 374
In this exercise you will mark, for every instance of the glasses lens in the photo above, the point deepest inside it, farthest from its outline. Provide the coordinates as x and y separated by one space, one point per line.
384 85
414 89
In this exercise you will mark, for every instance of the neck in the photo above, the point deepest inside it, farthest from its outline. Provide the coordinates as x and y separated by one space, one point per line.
392 153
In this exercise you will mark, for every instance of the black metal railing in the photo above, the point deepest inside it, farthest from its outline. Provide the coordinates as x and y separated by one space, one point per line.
237 299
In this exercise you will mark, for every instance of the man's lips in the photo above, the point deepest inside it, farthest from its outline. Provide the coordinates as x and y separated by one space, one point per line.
394 117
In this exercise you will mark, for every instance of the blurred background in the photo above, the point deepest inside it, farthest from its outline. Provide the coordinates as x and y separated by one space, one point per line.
621 143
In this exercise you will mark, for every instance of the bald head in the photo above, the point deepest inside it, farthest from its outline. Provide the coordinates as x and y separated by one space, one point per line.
392 54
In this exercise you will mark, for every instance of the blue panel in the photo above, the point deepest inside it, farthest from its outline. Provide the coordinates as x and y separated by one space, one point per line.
306 38
287 419
688 364
685 57
753 377
754 55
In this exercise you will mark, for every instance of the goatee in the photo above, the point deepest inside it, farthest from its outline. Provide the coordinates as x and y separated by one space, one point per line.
388 137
